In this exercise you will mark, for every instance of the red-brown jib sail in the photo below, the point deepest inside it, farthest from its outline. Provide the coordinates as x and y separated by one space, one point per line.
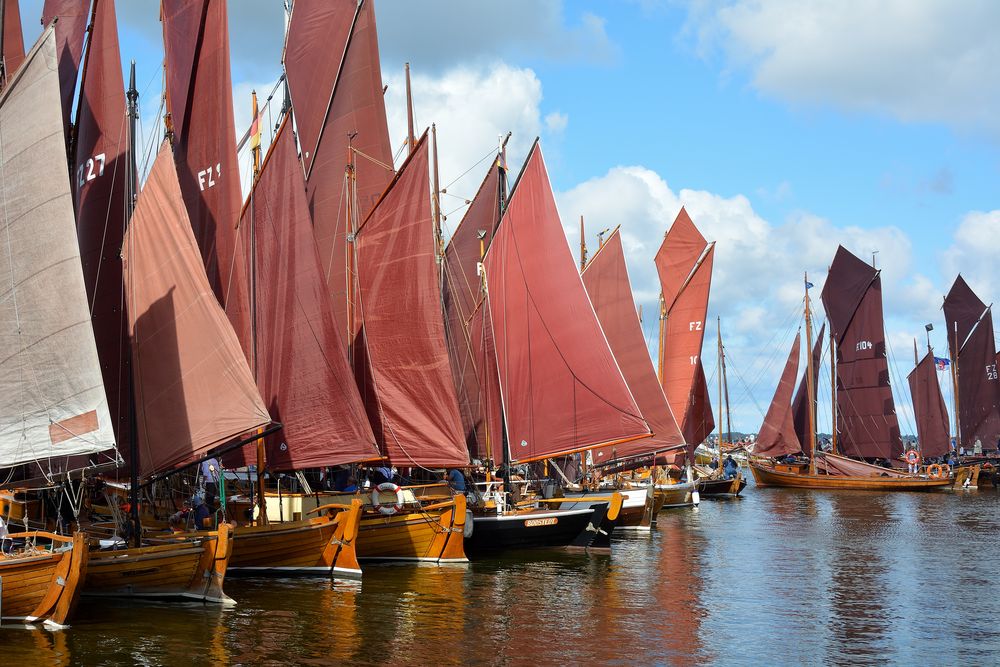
562 389
607 282
800 406
70 30
777 435
11 41
866 415
929 408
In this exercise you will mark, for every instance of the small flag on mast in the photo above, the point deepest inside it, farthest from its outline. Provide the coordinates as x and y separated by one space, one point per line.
941 363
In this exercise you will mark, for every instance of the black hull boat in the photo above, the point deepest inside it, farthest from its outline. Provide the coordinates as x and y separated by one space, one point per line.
541 528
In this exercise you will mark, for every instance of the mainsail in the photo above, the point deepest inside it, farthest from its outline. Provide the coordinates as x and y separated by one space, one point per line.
607 282
970 337
470 342
336 90
52 402
684 265
101 177
562 389
414 411
929 408
866 416
800 406
200 108
70 30
777 435
11 40
301 371
193 388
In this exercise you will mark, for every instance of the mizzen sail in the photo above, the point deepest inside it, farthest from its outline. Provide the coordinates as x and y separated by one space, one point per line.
52 398
193 388
777 434
415 412
301 370
562 389
929 408
607 282
866 415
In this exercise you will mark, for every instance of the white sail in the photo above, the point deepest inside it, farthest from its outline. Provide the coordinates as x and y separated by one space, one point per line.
52 401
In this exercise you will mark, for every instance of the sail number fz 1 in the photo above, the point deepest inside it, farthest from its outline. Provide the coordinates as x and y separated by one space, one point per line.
91 169
206 177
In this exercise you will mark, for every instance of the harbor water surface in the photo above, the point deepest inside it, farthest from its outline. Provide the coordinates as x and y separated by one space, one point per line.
777 577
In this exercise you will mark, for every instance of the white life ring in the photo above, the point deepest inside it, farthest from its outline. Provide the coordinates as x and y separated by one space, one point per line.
388 510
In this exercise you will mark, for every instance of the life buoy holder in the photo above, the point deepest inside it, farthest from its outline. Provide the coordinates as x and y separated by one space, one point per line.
388 510
913 457
935 470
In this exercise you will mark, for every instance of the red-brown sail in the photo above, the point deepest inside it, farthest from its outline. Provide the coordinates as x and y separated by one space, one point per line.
301 371
200 105
70 30
607 282
11 40
415 412
929 408
970 337
193 388
100 181
800 406
349 111
866 416
777 434
684 265
470 343
562 389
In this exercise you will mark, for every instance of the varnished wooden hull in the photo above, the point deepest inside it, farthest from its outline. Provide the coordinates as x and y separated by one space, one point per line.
676 495
432 535
766 476
322 545
193 569
636 512
43 588
721 488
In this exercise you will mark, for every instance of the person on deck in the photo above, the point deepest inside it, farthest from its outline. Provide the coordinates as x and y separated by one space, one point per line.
202 513
381 475
211 472
729 467
456 481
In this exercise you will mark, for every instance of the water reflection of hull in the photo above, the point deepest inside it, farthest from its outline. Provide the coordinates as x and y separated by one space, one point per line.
721 488
43 588
767 476
321 545
536 529
191 569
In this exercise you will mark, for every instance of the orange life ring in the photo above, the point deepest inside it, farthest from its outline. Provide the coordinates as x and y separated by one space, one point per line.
935 470
945 470
913 457
377 499
987 465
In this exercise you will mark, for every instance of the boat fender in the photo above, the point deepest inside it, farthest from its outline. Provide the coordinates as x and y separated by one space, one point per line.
695 498
912 457
934 470
470 524
388 510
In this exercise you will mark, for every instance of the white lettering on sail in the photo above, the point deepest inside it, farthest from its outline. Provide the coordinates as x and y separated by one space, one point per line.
91 169
694 359
991 371
694 326
206 177
863 345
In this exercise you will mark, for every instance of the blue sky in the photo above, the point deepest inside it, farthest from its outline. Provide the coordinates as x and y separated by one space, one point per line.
784 127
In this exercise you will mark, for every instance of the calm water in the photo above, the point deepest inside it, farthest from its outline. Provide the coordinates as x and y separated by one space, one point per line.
776 577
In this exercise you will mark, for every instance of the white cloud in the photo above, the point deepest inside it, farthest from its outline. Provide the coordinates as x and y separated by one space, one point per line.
974 252
556 122
472 106
931 61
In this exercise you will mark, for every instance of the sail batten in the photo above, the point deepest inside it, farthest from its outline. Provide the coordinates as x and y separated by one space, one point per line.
607 282
777 435
193 387
52 398
866 416
404 370
302 373
561 387
336 90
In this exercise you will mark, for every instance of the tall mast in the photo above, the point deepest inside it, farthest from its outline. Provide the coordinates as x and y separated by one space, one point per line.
583 246
810 389
410 140
131 194
833 393
261 450
352 183
718 326
504 439
660 350
954 393
438 238
725 389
